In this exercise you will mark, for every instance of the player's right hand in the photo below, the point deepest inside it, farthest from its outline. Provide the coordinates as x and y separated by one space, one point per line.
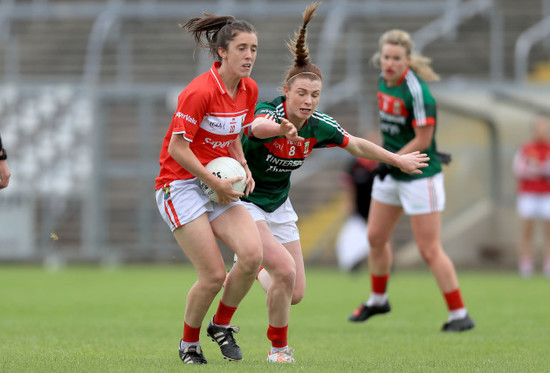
226 193
290 131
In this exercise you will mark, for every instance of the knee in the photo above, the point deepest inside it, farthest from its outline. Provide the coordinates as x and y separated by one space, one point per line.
251 261
430 253
376 241
284 276
297 296
214 282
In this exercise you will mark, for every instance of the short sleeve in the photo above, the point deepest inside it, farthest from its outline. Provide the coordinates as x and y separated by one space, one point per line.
423 104
192 106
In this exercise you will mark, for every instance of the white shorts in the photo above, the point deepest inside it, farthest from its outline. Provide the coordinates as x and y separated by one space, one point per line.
183 201
534 205
417 197
281 222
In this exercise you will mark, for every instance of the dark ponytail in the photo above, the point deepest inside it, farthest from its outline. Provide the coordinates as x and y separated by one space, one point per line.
217 31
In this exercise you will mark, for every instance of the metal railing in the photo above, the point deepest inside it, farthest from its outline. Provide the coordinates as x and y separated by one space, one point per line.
447 24
524 43
108 15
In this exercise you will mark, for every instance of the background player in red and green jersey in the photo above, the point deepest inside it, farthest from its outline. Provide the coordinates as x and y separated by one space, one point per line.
272 159
408 122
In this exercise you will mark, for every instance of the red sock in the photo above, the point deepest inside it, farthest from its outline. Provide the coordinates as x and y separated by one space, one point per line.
277 336
224 314
190 334
378 283
257 274
454 300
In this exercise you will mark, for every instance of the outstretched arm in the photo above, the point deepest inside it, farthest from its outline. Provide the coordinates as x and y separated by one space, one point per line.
264 128
410 163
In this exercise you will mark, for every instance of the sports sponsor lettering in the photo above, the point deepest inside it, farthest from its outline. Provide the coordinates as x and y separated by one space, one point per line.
390 128
277 145
213 124
188 118
218 144
392 118
282 165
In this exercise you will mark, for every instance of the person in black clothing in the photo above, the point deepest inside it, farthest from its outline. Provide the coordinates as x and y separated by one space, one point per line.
352 247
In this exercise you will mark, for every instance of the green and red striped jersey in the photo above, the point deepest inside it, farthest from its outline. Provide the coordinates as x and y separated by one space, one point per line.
402 107
272 160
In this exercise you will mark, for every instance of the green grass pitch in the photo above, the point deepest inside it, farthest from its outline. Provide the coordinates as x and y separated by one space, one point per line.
92 319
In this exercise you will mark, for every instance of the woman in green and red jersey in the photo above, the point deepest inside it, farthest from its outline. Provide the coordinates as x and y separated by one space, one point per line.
272 158
408 122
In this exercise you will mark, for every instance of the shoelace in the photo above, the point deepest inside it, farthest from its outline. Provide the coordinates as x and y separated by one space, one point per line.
228 333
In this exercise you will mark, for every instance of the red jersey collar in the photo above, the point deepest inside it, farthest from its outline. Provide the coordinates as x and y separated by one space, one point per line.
219 82
402 77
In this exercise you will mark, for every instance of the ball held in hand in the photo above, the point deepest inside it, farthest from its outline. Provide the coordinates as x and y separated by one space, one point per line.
223 168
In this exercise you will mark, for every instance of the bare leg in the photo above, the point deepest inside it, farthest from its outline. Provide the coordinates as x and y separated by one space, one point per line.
248 248
426 230
197 241
282 273
295 249
382 221
525 260
546 264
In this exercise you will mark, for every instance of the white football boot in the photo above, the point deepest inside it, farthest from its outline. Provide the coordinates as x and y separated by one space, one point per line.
286 355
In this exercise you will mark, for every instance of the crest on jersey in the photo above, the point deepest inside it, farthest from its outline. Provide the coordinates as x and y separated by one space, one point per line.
397 107
166 191
306 147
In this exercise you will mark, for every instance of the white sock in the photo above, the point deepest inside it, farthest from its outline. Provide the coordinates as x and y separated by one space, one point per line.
457 314
221 326
376 299
184 345
274 350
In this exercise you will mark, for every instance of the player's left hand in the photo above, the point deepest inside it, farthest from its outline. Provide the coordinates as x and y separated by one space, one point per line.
411 163
290 131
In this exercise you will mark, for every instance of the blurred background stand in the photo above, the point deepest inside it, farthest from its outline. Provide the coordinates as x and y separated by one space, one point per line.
88 89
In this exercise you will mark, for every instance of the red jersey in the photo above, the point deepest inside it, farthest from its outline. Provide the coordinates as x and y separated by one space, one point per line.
532 167
209 118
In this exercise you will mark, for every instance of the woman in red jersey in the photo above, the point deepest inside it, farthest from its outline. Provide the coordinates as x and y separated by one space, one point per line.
408 122
532 170
211 112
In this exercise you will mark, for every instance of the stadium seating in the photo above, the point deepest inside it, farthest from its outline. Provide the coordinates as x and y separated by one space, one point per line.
48 122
